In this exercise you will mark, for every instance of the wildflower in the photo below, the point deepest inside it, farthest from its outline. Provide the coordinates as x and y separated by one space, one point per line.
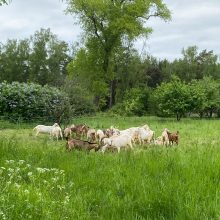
29 173
3 168
17 185
61 171
26 191
40 170
66 199
10 170
20 162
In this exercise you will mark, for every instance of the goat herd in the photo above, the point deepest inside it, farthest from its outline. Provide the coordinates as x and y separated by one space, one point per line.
111 138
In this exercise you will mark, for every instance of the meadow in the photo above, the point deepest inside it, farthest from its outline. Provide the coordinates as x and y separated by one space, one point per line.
40 180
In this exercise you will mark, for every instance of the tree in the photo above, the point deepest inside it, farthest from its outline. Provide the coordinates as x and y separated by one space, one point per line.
2 2
173 98
14 57
196 65
205 95
48 59
110 23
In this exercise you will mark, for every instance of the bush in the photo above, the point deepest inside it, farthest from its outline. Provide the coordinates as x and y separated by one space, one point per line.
135 102
80 99
31 102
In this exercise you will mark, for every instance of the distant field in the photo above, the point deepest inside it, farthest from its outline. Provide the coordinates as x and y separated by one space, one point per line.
40 180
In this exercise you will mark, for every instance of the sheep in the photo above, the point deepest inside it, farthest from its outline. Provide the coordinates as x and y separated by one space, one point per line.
56 132
44 129
117 142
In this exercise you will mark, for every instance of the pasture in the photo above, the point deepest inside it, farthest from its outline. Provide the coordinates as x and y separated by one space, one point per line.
40 180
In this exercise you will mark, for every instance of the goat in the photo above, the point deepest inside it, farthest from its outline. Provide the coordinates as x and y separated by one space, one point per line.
81 145
117 142
173 137
44 128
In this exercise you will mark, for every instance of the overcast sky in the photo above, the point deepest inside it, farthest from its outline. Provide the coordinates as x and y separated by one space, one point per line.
194 22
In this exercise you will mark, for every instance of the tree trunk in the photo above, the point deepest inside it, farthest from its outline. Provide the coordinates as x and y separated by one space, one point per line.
178 116
112 93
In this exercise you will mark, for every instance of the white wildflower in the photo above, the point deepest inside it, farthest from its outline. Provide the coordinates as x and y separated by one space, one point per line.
20 162
11 170
17 185
26 191
29 173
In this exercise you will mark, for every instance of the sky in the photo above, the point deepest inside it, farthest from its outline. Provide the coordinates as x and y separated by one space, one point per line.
194 22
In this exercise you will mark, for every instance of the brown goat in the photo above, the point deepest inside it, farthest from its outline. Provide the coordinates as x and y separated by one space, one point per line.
173 137
80 130
81 145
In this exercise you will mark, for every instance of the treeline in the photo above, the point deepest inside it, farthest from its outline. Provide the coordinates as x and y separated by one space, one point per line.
42 59
134 85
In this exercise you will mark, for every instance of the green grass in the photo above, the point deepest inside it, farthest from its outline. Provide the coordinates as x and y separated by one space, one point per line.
151 182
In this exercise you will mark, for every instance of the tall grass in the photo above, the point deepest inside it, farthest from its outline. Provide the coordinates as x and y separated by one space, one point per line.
40 180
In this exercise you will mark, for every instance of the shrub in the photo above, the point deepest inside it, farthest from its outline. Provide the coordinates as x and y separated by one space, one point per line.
22 101
135 102
80 99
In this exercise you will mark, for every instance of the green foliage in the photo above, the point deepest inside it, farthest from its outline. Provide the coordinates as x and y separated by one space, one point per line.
173 98
2 2
81 100
205 95
196 65
21 101
135 103
108 25
41 59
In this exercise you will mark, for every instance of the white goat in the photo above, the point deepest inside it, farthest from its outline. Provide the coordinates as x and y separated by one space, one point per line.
159 140
117 142
56 132
100 135
67 132
165 137
44 128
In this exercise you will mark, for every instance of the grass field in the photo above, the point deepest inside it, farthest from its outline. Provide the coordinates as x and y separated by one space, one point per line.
40 180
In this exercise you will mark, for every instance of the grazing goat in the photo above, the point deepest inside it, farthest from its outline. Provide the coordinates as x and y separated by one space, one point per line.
159 140
117 142
165 137
81 145
100 135
173 137
91 134
56 132
44 128
80 130
68 131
